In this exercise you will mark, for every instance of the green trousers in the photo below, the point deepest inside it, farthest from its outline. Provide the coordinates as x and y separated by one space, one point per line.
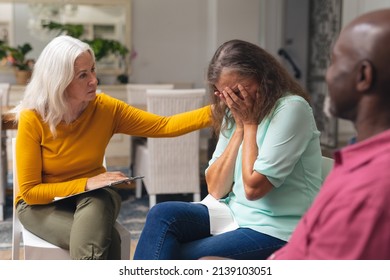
83 224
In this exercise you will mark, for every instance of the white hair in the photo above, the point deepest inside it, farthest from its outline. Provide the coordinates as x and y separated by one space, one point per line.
52 73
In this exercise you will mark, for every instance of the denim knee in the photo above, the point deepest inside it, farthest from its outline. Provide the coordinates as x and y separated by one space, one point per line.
164 210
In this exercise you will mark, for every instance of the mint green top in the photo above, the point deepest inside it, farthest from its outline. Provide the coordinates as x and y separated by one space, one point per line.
290 157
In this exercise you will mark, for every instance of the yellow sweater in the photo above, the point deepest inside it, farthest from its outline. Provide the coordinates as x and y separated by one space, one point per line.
49 168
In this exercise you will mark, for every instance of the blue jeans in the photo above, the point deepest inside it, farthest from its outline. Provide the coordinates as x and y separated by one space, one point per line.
181 230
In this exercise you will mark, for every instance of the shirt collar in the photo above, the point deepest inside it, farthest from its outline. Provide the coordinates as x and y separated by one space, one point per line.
361 152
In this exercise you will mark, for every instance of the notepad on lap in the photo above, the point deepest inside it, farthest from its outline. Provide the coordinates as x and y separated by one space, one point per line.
112 185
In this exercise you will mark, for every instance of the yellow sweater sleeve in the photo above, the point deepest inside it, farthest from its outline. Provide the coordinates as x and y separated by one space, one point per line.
51 167
145 124
36 186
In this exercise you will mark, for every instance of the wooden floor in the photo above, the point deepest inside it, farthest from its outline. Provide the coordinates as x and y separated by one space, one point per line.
7 255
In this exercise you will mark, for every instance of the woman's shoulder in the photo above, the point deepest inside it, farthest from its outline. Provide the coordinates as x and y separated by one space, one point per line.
104 99
30 119
293 106
292 98
292 101
29 114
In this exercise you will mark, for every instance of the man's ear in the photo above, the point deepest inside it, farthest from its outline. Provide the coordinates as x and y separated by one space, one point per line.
365 77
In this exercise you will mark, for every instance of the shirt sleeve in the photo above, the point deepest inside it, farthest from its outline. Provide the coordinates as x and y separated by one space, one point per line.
284 139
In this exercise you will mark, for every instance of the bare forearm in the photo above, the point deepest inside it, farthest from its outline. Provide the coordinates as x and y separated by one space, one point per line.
249 151
256 185
220 174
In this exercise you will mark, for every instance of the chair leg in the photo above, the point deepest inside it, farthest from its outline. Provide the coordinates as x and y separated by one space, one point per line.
138 188
2 214
16 246
126 241
152 200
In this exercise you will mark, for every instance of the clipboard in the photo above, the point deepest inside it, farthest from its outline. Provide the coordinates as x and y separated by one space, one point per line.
112 185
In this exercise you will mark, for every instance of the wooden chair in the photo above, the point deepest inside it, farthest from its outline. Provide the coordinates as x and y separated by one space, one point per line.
36 248
170 165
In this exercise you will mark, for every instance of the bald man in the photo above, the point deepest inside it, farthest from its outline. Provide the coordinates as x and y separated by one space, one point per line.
350 218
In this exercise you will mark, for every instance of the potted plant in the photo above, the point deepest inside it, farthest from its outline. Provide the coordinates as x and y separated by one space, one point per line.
16 57
100 46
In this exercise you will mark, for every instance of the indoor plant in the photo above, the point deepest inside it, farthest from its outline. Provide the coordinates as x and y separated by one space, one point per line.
101 47
16 57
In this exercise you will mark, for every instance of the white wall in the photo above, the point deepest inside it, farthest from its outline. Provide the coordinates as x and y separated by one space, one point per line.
295 38
353 8
169 38
174 39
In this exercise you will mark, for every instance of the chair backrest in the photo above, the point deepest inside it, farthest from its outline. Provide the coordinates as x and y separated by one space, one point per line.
174 162
136 93
327 165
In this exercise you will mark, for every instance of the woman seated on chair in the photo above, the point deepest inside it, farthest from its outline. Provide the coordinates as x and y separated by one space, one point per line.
263 175
63 131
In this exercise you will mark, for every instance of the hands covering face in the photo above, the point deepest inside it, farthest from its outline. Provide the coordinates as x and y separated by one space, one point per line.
241 104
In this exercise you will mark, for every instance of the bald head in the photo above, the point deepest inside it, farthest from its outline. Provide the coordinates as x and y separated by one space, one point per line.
358 77
368 38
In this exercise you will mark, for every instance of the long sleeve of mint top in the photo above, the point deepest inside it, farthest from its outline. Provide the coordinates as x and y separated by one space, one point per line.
59 166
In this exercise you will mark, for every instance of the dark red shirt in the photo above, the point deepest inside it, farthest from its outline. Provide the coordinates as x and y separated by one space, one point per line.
350 218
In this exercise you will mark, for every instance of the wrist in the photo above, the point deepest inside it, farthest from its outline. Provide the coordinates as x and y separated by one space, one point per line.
239 130
250 125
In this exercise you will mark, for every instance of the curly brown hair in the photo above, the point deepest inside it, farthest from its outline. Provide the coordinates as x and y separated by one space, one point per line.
250 61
